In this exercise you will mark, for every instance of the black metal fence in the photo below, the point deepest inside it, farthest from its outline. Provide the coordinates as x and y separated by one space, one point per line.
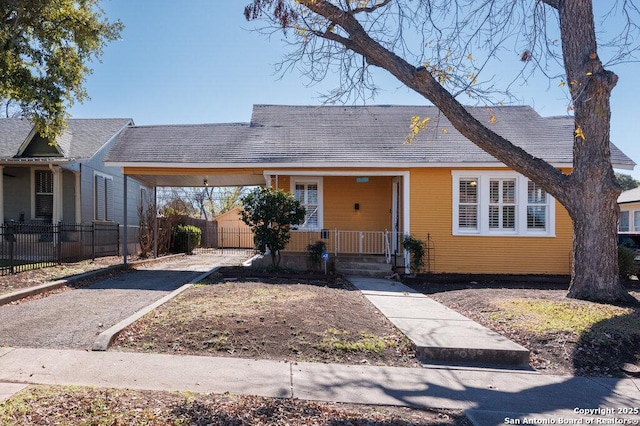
25 246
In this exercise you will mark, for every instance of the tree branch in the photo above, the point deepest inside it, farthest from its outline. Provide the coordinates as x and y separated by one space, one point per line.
553 3
423 82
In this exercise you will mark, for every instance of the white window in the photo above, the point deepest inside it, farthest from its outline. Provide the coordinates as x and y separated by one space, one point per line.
43 194
308 192
103 197
500 203
468 204
623 224
537 207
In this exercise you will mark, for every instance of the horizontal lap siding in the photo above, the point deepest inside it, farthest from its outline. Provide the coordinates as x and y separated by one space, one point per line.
341 193
431 213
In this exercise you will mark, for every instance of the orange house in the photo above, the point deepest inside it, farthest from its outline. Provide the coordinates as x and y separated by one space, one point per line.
365 188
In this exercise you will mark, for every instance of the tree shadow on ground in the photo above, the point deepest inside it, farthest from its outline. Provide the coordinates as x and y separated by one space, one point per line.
608 344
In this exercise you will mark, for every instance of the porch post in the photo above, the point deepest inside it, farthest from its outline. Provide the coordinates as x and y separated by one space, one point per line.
78 199
155 222
57 195
406 213
1 195
125 222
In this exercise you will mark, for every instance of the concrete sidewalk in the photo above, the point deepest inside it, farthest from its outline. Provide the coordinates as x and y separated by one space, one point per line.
439 334
488 396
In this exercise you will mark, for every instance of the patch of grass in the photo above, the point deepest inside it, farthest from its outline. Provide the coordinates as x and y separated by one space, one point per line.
342 341
553 316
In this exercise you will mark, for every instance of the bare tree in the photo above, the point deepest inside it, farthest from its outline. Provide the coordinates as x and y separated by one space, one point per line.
10 109
206 202
440 48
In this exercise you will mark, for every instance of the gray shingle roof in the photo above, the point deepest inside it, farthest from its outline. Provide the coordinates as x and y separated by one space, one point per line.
324 136
81 140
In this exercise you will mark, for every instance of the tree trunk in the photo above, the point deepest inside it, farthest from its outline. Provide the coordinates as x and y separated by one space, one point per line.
592 191
594 274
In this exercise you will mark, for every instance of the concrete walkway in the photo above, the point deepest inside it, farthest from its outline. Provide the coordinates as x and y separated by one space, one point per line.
439 334
488 396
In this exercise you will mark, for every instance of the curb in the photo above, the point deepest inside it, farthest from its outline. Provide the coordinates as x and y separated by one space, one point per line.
43 288
106 338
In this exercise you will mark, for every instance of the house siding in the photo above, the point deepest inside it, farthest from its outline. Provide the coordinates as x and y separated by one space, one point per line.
68 197
96 165
17 188
431 214
374 199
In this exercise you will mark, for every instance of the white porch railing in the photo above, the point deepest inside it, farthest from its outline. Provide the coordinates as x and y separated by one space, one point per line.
345 242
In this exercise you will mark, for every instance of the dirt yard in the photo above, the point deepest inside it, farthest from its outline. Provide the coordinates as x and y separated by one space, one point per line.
271 317
565 337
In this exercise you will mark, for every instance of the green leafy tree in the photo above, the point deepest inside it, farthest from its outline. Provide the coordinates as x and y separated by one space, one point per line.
626 181
45 48
271 214
441 49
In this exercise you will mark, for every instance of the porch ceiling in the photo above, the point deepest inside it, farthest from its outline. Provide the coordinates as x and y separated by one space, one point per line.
159 179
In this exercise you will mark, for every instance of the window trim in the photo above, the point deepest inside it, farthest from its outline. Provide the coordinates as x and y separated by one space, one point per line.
318 180
483 178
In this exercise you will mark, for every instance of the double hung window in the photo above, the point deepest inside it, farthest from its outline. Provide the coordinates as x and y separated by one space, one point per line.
43 194
308 192
500 203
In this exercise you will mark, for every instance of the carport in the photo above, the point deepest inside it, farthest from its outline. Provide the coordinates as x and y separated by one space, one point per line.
182 156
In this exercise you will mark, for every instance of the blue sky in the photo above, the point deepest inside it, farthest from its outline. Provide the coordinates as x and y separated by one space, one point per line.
197 61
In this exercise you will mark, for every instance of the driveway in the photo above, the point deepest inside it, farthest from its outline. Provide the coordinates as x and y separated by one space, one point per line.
73 318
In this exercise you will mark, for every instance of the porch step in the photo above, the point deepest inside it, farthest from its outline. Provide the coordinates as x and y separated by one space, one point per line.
367 266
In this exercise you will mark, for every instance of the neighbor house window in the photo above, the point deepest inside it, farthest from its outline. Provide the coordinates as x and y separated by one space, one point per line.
537 207
500 203
308 192
636 221
43 194
103 197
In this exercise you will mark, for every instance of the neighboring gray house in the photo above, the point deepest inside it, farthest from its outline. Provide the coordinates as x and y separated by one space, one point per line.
65 181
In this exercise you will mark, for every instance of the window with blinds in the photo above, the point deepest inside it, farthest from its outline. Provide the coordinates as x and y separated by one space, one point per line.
502 204
468 207
307 196
43 194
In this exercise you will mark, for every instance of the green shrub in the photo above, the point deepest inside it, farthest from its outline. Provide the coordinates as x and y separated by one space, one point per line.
626 262
416 249
186 238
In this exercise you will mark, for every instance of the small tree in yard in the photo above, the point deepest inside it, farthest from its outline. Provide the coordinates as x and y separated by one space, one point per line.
271 214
